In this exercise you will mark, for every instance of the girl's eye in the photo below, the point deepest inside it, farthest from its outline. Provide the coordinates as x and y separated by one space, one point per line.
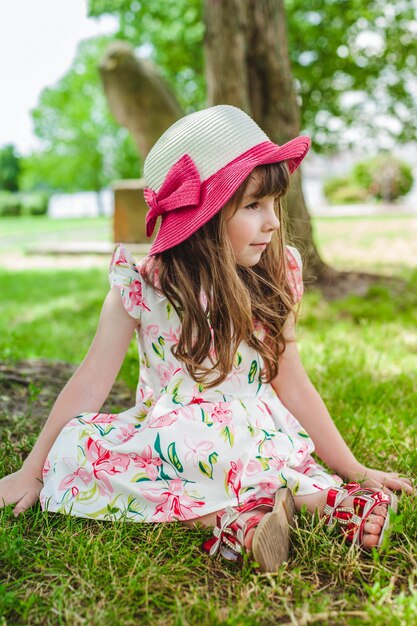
254 205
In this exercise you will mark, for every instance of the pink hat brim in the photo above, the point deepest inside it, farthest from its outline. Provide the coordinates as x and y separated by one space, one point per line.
177 226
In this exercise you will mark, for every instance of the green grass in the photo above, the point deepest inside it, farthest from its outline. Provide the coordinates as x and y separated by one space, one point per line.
17 233
361 353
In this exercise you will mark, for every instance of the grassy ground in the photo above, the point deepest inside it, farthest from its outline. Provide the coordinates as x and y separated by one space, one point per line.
17 233
361 353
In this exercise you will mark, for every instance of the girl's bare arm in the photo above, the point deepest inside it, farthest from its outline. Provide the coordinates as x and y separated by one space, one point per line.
301 398
89 386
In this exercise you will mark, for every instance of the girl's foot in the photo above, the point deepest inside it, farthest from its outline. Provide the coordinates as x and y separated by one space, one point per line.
260 526
373 525
349 511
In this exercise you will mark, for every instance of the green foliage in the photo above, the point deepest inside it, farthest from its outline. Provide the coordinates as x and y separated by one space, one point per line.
15 204
369 49
84 148
335 47
9 168
10 204
342 190
384 177
171 34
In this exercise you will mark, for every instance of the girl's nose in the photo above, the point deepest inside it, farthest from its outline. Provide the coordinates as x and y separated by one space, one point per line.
271 219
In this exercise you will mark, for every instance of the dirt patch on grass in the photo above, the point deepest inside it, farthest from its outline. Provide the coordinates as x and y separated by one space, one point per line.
29 388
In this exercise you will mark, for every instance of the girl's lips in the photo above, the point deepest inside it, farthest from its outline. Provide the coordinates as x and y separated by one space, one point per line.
259 245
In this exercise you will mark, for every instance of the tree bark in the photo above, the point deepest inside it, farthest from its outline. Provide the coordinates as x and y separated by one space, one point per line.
138 97
247 65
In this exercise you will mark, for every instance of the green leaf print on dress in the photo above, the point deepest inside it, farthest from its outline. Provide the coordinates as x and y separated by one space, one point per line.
227 434
252 371
207 468
174 458
145 361
238 359
173 462
159 350
173 390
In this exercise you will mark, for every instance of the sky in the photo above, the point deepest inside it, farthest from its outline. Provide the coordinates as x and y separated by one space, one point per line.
38 42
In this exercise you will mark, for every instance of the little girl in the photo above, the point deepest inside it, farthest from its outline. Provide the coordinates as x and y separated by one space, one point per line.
226 418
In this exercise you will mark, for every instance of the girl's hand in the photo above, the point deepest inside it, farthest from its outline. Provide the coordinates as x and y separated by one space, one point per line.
21 488
386 481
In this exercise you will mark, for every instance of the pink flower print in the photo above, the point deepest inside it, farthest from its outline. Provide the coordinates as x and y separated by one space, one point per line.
172 336
269 486
100 418
166 372
269 451
75 491
164 420
134 297
173 503
146 461
197 451
307 465
188 412
253 467
144 394
151 332
197 400
221 415
127 432
233 477
235 376
121 260
105 462
303 449
276 463
74 477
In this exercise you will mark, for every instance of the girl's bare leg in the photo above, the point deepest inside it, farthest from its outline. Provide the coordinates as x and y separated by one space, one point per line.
314 502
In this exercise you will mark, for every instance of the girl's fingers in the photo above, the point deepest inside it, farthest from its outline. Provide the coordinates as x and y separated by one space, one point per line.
400 485
25 503
390 481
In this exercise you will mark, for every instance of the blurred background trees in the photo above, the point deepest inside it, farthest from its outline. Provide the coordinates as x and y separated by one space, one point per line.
84 149
353 69
353 64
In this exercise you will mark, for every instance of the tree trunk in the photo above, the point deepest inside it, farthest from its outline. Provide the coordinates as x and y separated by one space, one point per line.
247 65
138 96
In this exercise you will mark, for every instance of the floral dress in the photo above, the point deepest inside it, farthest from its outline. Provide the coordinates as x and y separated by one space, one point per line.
182 451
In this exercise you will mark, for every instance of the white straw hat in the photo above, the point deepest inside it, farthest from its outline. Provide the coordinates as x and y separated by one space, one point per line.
197 165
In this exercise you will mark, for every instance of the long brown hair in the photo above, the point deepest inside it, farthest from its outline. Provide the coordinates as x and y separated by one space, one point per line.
236 299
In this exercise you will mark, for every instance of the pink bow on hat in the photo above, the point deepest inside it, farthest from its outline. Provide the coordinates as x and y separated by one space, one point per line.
181 188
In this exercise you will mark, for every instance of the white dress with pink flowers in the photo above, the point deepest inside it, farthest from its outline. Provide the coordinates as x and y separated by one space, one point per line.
181 452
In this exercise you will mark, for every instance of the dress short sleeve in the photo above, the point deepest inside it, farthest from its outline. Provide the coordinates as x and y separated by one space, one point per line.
295 272
125 274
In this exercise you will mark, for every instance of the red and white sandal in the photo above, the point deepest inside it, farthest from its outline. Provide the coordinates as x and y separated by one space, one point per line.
270 544
352 519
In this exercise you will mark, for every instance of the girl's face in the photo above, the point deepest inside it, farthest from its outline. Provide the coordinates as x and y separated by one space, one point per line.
251 226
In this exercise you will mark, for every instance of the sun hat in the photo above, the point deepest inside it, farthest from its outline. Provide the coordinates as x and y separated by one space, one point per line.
199 162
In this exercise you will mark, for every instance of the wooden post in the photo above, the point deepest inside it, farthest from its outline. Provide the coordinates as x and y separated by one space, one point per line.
130 211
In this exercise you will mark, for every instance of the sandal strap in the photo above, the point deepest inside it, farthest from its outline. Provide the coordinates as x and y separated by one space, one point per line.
230 530
352 519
